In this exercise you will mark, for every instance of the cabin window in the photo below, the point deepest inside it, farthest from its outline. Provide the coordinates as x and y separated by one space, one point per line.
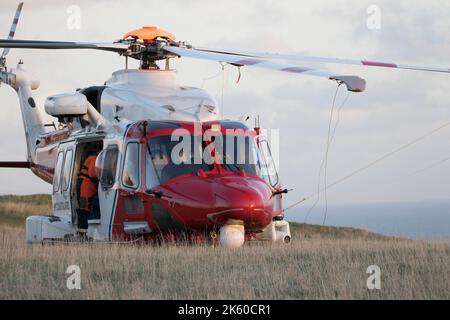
267 165
57 173
130 174
67 170
106 166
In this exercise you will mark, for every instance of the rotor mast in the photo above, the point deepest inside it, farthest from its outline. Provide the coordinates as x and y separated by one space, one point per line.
145 45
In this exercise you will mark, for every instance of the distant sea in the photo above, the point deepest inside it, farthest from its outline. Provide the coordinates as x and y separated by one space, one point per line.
418 220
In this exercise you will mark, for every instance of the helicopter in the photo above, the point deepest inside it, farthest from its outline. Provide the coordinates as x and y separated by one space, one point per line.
167 164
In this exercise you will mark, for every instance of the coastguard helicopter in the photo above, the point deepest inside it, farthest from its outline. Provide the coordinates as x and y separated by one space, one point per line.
147 185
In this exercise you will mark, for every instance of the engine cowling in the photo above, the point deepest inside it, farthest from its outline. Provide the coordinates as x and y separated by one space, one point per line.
66 104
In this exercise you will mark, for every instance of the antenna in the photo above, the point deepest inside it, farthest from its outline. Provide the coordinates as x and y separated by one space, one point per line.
12 31
257 125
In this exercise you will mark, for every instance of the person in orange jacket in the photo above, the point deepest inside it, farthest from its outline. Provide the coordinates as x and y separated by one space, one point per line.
87 192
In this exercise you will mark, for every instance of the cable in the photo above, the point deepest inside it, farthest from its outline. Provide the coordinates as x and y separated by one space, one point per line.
372 163
325 155
415 172
222 107
222 74
324 164
327 150
209 78
435 164
339 115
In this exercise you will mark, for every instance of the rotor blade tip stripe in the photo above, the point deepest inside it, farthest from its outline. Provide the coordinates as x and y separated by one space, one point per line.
295 69
248 62
378 64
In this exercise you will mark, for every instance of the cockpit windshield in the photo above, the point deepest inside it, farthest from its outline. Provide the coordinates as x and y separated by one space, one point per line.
236 152
175 158
185 154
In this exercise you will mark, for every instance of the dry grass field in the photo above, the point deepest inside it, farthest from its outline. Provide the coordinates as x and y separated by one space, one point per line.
15 209
320 263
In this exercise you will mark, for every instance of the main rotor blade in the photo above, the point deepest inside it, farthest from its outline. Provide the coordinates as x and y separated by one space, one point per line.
353 83
15 164
12 31
35 44
304 58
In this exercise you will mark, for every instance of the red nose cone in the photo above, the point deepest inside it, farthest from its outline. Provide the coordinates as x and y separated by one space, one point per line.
214 200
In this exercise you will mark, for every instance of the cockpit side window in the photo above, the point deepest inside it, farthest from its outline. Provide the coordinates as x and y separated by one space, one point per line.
130 173
106 166
151 177
267 165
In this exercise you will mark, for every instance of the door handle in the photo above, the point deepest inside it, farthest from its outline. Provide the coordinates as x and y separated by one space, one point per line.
127 194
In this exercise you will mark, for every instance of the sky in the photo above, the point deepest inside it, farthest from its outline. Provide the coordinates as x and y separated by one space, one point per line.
397 107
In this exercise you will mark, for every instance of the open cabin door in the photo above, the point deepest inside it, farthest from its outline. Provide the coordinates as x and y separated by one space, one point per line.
62 180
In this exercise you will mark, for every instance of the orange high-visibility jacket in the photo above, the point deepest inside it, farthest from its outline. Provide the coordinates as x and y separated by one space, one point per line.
89 182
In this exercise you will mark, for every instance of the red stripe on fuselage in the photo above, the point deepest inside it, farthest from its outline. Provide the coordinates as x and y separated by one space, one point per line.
55 137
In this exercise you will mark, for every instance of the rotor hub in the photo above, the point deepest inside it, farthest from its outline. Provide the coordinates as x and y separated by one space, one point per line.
149 34
145 45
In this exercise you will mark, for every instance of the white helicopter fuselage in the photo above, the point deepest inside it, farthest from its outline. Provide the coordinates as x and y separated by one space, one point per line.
109 116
